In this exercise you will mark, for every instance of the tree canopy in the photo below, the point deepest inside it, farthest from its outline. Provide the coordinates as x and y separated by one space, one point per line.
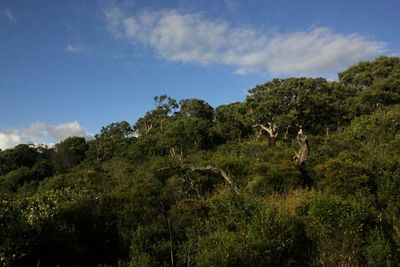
188 184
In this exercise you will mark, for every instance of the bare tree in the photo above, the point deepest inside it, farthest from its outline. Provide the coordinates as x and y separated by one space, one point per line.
271 130
301 155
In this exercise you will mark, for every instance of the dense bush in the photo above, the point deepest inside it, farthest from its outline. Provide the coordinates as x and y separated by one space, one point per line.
190 185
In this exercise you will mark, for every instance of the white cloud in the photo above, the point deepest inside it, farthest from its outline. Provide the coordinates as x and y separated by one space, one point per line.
193 38
9 139
9 15
74 48
62 131
40 133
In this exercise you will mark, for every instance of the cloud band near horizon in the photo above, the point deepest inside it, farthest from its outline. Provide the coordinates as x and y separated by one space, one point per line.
41 133
192 38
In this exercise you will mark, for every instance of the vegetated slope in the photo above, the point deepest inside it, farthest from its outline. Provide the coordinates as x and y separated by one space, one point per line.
189 185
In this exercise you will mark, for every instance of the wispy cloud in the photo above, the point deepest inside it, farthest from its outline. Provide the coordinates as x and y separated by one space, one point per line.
74 48
193 38
8 14
40 133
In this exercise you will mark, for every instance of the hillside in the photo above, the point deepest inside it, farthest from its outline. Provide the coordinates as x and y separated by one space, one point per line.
193 185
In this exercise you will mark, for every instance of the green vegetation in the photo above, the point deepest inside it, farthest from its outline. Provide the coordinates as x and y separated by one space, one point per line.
189 185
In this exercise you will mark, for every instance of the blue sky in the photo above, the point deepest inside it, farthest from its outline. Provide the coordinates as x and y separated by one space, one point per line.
71 67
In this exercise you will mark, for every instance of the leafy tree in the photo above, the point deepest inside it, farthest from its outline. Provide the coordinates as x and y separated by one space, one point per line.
69 152
296 102
365 74
113 140
231 123
376 84
185 134
189 185
20 156
196 108
155 119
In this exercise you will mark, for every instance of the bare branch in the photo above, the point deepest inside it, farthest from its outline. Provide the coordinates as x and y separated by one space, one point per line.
271 129
148 128
210 168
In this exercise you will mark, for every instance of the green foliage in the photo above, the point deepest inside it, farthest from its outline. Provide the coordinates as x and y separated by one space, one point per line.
270 238
341 229
13 180
196 108
55 222
290 103
69 153
379 250
230 123
113 140
19 156
155 119
189 185
187 134
14 231
376 84
151 245
344 175
377 127
365 74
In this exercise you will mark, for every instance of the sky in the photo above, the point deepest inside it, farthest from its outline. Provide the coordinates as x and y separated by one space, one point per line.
67 68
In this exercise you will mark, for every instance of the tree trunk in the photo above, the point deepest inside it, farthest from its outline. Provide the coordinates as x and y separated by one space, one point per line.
272 131
272 141
301 155
287 132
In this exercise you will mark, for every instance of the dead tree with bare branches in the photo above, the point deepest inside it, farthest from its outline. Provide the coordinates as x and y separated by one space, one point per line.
271 130
301 155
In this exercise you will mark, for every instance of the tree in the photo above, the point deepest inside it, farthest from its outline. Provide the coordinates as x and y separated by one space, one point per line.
69 152
189 128
155 119
186 134
112 140
289 103
365 74
230 123
196 108
375 84
20 156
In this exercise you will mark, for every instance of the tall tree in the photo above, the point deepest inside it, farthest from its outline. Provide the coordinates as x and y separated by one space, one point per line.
112 140
190 127
155 119
231 122
69 152
196 108
375 84
289 103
